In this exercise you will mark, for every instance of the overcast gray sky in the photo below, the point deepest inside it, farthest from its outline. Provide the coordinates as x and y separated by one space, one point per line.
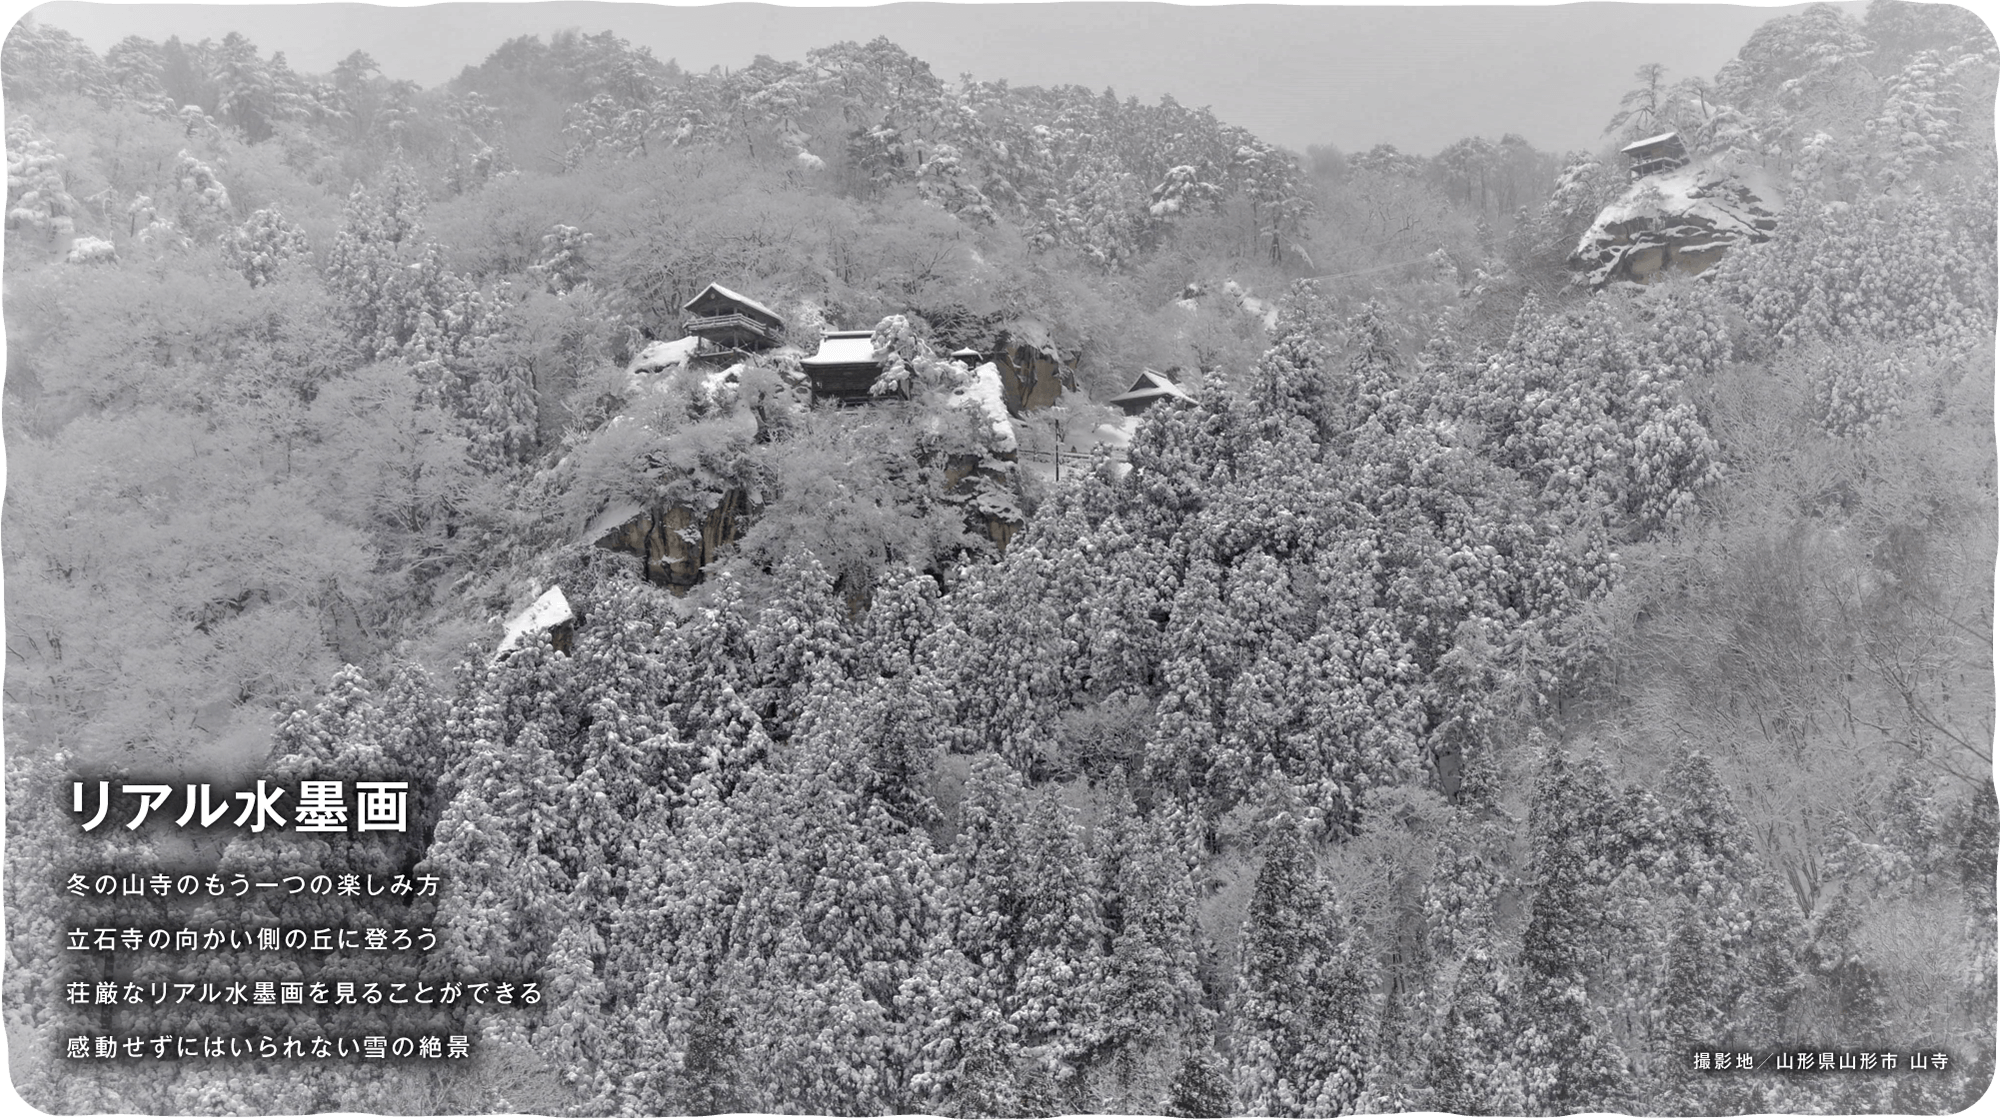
1416 77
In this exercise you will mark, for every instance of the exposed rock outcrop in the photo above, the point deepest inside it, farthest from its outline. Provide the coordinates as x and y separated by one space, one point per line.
1684 220
675 542
1031 376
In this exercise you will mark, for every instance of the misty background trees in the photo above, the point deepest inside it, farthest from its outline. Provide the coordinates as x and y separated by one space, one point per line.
1484 694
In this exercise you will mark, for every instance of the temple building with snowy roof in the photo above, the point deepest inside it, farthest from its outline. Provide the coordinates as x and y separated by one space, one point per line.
845 368
1151 388
1655 154
730 322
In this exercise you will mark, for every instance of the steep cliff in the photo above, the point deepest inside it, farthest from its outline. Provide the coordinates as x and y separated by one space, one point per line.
1684 220
675 541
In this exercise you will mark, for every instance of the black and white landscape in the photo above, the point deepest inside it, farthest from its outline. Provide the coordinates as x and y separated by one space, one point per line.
905 593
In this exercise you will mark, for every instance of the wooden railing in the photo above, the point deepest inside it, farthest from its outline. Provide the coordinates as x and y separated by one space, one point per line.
1117 455
733 319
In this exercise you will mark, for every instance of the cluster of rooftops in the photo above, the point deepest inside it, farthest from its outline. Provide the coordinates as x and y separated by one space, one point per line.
727 325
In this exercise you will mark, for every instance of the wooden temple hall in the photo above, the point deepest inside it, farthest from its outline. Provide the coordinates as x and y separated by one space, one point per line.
727 321
845 367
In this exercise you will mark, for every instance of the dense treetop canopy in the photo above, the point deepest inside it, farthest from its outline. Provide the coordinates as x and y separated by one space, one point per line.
1475 691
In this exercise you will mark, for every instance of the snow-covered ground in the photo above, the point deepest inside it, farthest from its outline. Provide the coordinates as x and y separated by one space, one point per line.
1078 444
659 357
1263 310
1695 191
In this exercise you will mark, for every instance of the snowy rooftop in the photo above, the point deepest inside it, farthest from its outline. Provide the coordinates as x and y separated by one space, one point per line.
548 611
1151 384
981 389
841 348
733 296
1650 141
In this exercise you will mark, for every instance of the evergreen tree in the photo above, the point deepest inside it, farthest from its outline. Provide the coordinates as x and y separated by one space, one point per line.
1474 1067
1568 1062
1300 1004
1200 1087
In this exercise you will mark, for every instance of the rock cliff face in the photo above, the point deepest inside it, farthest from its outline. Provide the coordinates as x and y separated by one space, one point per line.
1684 220
675 542
1030 378
985 486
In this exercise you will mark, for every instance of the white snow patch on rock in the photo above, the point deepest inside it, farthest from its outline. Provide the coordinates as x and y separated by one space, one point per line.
981 389
1696 209
609 518
658 357
549 611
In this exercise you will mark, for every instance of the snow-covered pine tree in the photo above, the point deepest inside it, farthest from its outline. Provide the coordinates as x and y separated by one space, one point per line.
1300 1006
260 247
1568 1060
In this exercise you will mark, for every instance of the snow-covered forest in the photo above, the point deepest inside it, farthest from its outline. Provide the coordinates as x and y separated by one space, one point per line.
1544 640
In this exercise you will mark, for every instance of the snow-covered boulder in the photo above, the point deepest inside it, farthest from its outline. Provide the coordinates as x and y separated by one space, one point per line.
659 358
1684 220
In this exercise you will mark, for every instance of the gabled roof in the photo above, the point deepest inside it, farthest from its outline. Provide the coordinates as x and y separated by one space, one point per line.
843 348
1649 141
1151 387
734 297
1150 384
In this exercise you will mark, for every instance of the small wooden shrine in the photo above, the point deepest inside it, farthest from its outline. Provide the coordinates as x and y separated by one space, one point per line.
1655 154
845 367
1151 388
